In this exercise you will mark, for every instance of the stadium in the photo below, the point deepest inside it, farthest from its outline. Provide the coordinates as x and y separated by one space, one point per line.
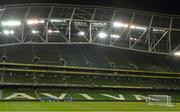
56 57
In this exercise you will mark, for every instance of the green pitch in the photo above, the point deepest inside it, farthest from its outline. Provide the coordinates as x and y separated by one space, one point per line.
85 106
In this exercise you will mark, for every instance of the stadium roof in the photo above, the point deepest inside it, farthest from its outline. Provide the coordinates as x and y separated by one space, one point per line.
59 23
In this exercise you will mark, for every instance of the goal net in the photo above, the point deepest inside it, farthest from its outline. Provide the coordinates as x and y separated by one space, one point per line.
163 100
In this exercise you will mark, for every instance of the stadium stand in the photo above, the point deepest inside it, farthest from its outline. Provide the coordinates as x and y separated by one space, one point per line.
76 80
89 55
87 66
57 51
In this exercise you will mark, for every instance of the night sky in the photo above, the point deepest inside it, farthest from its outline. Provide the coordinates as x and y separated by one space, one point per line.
162 6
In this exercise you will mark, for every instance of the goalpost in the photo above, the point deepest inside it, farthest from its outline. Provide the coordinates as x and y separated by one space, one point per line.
164 100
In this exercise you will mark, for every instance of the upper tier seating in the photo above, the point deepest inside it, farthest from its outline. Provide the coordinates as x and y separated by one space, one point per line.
90 55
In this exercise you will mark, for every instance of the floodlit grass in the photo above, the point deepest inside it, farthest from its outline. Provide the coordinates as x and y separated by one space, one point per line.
85 106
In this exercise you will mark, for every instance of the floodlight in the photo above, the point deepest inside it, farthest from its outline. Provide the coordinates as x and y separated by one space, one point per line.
2 9
49 31
53 31
138 27
141 28
81 33
177 53
11 23
99 24
134 39
8 32
32 22
102 35
158 30
57 20
80 23
56 31
133 27
119 25
114 36
35 31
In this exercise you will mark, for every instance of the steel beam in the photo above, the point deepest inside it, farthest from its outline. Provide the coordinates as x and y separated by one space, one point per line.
169 36
159 40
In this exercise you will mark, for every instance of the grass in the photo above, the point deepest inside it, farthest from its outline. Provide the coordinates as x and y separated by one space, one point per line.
85 106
